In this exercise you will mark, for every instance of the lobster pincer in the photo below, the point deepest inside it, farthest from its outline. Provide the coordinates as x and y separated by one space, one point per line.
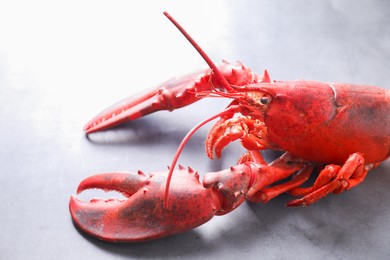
173 94
145 215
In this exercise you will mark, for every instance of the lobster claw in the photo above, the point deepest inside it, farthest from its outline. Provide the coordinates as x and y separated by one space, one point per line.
143 215
173 94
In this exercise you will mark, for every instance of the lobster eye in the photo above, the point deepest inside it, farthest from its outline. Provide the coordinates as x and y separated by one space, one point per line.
265 100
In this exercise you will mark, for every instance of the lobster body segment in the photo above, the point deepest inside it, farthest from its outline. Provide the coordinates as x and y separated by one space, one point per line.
337 131
327 122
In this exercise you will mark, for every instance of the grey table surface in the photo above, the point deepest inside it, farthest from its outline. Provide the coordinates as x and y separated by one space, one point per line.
62 62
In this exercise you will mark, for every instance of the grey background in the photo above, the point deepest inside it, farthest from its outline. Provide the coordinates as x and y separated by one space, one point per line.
61 63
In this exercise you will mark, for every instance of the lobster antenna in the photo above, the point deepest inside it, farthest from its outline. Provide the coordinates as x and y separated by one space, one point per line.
183 143
220 78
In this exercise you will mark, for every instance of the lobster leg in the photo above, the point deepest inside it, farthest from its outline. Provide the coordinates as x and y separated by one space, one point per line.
277 170
252 133
334 179
324 177
268 193
263 176
173 94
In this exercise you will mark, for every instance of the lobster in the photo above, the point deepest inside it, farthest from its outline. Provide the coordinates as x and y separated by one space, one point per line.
338 131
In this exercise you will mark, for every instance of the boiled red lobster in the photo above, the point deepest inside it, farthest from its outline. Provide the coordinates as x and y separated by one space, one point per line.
341 129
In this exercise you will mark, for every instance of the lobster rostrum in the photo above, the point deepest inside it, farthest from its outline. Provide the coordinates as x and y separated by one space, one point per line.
342 129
